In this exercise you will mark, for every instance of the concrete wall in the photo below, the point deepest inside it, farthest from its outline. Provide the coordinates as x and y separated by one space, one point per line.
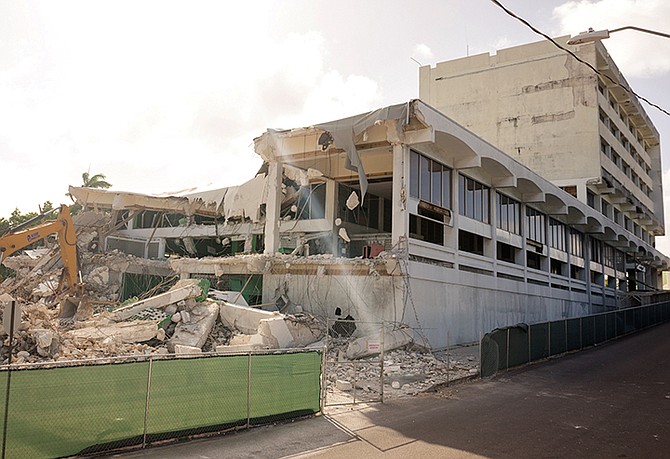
454 312
371 298
512 97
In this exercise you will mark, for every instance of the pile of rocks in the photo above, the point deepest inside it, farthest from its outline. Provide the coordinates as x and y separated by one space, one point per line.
406 372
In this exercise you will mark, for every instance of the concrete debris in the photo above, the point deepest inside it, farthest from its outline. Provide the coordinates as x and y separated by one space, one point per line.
173 321
393 339
182 349
194 329
342 232
228 296
125 332
406 372
184 289
353 201
243 318
267 330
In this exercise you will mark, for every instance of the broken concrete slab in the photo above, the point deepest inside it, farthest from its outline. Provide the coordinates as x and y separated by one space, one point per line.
181 349
195 331
243 318
184 289
127 332
371 345
275 333
228 296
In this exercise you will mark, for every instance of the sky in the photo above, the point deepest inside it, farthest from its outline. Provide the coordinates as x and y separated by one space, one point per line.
165 96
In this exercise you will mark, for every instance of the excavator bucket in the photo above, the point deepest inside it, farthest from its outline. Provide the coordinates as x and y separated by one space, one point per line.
75 308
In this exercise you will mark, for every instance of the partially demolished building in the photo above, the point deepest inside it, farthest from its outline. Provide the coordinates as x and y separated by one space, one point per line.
398 215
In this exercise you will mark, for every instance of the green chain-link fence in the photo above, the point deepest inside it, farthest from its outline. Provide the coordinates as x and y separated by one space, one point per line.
516 345
95 407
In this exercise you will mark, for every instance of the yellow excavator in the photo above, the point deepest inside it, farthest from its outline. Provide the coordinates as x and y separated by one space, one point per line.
23 235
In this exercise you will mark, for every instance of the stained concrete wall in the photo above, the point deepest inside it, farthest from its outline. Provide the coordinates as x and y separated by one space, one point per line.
446 306
371 298
453 313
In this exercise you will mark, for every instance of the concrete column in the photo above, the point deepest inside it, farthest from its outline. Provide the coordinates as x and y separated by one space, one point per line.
400 217
493 221
273 208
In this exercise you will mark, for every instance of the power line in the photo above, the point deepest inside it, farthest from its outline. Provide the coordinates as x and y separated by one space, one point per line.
579 59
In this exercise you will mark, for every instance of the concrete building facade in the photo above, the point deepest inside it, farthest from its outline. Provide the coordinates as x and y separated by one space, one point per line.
583 131
398 215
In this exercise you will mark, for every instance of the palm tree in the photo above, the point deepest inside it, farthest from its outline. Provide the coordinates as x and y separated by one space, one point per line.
95 181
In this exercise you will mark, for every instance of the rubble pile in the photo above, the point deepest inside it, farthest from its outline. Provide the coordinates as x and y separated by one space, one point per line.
407 372
182 320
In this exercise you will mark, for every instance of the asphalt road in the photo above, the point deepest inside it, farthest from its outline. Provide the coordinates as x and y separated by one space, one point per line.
612 401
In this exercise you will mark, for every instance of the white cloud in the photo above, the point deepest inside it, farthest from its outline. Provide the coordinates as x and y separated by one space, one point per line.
423 53
640 54
164 98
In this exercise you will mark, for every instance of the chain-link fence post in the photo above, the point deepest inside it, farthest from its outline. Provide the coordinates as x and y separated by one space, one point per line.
248 389
480 363
324 369
507 350
9 375
146 404
381 353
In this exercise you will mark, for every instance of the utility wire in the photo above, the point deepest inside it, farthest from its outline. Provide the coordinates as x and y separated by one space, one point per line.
558 45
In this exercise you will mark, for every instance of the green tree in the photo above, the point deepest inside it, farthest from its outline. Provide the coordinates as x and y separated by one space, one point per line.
95 181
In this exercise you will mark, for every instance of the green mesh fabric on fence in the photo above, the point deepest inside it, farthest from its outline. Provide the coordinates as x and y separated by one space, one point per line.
270 396
60 411
194 393
64 411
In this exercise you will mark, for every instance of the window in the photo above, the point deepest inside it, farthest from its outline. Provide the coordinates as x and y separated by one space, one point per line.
609 256
556 267
590 199
571 190
606 208
605 148
535 225
533 260
473 199
596 250
617 216
576 243
509 214
311 202
430 181
506 252
427 226
576 272
557 235
469 242
628 224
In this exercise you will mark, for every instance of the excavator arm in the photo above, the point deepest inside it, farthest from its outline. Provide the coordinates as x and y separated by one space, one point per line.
67 240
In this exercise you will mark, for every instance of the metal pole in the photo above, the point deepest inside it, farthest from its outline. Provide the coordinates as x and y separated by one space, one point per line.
382 359
249 389
9 375
549 338
447 356
324 368
581 334
566 335
530 350
146 403
507 356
